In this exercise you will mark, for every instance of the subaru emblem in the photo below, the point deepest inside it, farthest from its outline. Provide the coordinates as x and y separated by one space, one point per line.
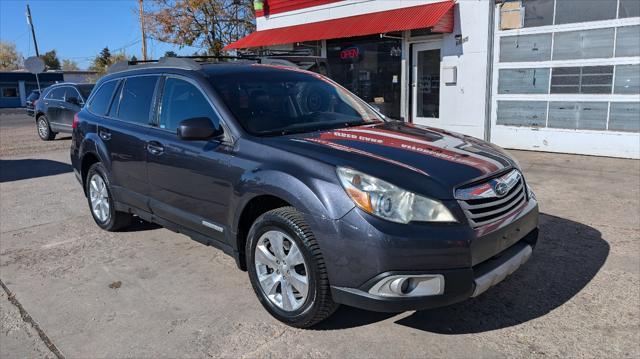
501 189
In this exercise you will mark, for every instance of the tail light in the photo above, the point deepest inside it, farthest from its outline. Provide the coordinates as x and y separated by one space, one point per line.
75 122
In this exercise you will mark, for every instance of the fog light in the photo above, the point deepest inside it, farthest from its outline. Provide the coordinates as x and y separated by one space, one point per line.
409 286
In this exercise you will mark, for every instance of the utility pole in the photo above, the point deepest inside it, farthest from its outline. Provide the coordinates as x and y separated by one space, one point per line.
144 38
33 32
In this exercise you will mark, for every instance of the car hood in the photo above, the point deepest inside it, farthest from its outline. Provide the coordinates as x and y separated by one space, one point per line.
410 156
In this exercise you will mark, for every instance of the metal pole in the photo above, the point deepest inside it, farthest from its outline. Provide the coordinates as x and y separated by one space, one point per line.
144 38
33 32
38 81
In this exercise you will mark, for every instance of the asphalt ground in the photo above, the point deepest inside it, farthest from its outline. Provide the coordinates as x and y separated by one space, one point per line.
73 290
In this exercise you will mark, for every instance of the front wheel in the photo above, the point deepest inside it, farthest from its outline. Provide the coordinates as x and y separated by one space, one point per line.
287 270
101 200
44 129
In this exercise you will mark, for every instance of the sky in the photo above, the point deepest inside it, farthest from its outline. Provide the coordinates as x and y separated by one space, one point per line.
79 29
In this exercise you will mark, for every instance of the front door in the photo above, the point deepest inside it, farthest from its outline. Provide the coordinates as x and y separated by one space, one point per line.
425 84
190 180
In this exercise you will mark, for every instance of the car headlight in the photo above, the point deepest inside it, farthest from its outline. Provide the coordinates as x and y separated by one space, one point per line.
387 201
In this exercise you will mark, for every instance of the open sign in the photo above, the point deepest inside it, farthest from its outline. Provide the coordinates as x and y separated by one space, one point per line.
350 53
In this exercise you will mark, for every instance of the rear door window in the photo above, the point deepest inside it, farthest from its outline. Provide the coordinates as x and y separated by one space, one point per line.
101 100
136 99
56 94
182 100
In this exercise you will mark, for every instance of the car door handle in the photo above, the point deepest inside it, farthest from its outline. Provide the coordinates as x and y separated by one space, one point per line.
155 148
105 135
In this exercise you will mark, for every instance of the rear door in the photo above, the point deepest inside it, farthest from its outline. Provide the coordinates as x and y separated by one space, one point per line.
190 181
69 107
124 133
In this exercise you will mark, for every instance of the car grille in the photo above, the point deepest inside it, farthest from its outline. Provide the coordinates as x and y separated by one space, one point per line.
492 200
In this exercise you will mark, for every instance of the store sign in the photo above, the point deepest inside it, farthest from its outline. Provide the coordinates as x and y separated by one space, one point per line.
350 53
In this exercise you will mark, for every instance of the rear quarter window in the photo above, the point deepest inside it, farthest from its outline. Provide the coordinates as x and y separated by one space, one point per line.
102 99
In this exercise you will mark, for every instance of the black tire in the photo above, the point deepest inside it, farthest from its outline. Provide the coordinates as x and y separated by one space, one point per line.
318 305
43 128
116 220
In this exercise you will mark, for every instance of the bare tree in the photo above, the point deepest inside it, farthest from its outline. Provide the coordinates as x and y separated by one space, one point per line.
10 58
208 24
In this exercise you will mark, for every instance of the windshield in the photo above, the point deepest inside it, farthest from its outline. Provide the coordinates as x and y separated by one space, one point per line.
279 102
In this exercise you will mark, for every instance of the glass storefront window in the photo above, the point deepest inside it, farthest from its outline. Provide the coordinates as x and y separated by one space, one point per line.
523 81
525 48
370 67
624 116
538 12
629 8
522 113
571 11
627 79
585 44
578 115
628 41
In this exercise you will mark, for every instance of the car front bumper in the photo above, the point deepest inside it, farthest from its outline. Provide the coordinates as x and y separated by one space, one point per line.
368 250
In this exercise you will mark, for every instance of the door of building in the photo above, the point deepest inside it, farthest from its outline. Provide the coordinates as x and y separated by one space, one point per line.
425 83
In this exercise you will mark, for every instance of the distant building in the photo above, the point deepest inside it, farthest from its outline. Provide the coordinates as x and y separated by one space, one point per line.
15 86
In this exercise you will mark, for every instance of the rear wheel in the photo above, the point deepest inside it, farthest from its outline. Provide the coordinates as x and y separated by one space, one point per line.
287 270
101 200
44 129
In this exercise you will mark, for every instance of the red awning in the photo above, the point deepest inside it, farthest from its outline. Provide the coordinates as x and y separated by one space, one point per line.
437 16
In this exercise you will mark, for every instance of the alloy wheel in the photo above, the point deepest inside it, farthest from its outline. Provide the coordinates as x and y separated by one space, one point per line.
282 270
99 197
43 128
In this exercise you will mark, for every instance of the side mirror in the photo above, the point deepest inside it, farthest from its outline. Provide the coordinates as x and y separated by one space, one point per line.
198 128
74 100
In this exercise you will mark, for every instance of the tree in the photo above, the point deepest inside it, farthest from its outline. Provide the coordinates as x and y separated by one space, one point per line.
50 59
104 59
170 54
10 58
69 65
208 24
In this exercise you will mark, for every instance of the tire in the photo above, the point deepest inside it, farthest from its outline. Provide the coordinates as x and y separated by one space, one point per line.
287 223
106 217
44 129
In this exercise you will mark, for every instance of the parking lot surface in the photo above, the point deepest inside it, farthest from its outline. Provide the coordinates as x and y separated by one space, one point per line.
73 290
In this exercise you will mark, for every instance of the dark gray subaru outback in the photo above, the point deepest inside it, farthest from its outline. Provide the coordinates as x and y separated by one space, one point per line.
312 191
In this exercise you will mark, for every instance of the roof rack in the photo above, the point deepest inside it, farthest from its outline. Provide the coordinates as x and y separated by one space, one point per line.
186 62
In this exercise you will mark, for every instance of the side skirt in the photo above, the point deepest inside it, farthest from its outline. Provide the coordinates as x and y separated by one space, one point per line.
149 217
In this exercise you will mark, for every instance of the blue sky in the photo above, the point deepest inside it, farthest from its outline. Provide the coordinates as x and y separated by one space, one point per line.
78 29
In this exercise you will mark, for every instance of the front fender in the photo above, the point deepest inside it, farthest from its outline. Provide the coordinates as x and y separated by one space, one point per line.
319 197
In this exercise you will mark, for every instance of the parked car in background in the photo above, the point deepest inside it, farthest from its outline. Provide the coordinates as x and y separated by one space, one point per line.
319 197
56 107
31 102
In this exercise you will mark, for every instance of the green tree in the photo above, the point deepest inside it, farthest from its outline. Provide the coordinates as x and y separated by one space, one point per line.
69 65
208 24
51 60
104 59
10 58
